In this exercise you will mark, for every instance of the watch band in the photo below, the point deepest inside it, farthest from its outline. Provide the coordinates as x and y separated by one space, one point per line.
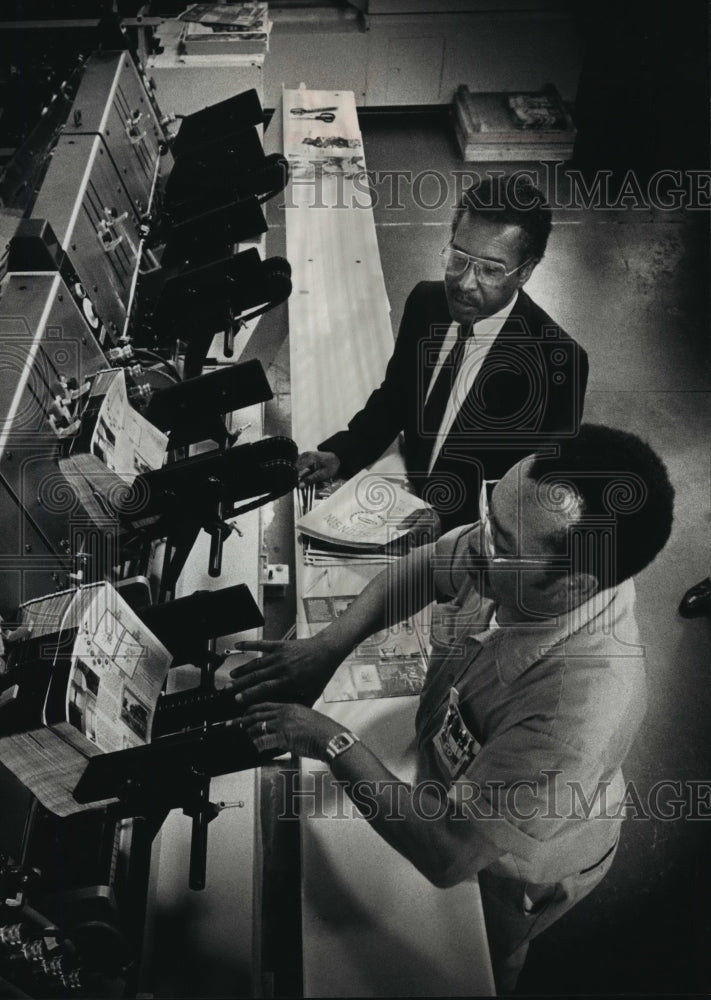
339 743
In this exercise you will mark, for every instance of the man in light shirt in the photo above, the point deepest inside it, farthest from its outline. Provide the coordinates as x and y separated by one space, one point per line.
535 685
480 375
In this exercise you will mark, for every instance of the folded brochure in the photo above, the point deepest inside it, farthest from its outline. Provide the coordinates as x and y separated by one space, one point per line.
369 511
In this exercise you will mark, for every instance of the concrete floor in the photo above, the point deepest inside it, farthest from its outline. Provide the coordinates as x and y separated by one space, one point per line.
632 288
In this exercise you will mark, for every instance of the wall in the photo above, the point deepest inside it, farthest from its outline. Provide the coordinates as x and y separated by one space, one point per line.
411 59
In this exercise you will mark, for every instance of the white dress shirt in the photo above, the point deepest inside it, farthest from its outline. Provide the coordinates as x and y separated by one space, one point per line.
478 344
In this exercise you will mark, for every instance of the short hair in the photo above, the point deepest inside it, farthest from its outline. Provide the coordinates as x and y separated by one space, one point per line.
625 495
510 200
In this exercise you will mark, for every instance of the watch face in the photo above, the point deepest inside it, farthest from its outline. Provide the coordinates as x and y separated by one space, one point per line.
339 743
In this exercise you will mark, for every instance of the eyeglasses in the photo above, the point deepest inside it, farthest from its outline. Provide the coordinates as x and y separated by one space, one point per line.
488 544
489 272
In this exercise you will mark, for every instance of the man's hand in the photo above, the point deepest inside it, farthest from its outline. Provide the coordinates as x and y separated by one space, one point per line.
295 670
290 727
317 466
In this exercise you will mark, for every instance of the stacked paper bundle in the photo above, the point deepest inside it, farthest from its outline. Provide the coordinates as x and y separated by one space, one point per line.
525 126
218 28
371 518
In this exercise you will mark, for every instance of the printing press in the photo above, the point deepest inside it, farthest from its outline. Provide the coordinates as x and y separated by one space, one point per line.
124 280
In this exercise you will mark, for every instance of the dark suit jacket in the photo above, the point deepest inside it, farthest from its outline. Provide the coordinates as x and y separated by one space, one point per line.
529 390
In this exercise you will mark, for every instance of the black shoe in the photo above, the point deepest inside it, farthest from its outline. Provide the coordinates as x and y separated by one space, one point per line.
697 600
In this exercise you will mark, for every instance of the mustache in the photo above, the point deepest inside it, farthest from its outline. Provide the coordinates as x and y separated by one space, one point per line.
464 298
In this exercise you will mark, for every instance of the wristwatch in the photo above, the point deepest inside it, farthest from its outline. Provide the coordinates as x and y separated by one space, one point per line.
339 743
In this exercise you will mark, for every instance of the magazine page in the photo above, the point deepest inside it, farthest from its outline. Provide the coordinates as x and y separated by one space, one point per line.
117 670
97 489
389 664
50 762
122 438
368 511
44 615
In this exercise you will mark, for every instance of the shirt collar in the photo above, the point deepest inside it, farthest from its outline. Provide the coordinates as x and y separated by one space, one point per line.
518 647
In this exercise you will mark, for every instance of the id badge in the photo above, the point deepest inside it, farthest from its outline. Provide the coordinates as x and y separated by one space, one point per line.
455 745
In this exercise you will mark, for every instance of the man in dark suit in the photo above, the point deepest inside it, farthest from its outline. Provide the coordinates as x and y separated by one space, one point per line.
480 375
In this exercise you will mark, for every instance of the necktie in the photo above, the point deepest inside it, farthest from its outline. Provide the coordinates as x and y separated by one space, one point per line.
441 391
